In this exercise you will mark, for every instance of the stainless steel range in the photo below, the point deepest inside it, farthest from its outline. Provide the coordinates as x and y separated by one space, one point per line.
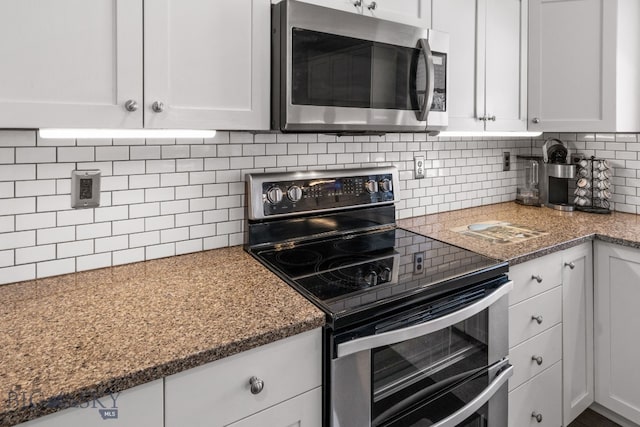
416 330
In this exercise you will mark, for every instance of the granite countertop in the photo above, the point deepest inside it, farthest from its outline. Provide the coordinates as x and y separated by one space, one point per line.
68 339
564 229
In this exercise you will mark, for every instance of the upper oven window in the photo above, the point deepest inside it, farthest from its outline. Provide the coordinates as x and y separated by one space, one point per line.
337 71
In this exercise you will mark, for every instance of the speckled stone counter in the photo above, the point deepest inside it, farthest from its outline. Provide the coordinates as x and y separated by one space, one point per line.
565 229
68 339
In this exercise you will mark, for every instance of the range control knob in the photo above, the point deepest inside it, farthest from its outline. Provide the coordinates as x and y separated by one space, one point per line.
371 186
274 195
385 185
294 193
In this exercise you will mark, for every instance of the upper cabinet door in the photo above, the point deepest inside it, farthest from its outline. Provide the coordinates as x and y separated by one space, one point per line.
207 64
572 62
506 65
488 78
70 63
464 20
410 12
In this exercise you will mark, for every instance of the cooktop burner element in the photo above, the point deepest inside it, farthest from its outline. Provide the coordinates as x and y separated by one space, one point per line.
339 245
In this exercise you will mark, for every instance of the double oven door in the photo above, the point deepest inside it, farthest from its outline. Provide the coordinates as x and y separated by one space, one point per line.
441 364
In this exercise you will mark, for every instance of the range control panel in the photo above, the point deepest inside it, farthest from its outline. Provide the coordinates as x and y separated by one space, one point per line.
286 194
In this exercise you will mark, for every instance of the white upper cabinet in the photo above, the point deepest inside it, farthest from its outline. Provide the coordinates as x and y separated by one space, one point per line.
487 60
70 63
410 12
208 63
583 73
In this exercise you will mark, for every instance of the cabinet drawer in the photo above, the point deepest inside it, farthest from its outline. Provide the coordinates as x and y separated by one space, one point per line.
547 345
218 393
547 268
522 326
301 411
542 395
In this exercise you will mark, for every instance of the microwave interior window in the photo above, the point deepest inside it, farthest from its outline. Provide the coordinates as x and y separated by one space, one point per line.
337 71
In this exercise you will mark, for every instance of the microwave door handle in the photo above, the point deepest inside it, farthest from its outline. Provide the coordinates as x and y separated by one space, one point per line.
415 331
427 55
470 408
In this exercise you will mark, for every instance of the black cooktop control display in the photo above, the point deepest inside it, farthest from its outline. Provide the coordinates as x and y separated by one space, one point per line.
280 197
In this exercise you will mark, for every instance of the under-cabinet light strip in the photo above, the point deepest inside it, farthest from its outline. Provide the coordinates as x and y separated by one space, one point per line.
487 134
53 133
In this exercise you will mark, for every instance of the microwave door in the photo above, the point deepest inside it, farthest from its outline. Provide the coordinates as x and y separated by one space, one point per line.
424 79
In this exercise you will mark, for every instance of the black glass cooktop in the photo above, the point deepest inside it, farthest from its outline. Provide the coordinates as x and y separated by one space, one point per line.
355 273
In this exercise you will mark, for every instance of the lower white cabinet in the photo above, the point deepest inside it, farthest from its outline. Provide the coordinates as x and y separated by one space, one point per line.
617 328
537 402
577 330
135 407
221 393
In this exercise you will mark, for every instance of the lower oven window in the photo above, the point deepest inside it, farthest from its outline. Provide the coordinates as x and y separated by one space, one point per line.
422 380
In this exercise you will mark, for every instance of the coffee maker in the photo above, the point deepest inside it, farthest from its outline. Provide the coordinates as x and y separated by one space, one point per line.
556 175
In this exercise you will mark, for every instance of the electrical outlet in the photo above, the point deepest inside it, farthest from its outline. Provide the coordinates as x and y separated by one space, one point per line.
418 263
418 166
85 188
506 161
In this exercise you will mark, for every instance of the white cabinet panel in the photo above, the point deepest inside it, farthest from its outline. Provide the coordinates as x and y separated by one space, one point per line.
540 396
301 411
616 323
534 277
546 307
287 367
547 346
488 62
208 63
410 12
70 63
135 407
568 93
577 330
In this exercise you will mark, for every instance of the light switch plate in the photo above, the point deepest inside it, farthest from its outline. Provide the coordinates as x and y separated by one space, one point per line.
85 188
418 163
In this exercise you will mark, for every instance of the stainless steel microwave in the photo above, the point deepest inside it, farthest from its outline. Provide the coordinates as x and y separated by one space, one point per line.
335 71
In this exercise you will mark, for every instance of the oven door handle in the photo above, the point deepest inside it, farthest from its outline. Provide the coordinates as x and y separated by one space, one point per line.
427 55
415 331
470 408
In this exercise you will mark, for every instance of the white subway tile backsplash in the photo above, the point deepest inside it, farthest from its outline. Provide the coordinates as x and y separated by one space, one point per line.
35 221
17 206
35 254
17 273
94 141
74 249
166 197
91 262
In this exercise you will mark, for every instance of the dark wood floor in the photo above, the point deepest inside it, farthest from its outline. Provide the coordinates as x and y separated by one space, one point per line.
592 419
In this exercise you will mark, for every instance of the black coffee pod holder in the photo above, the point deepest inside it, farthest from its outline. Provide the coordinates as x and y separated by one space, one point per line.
598 205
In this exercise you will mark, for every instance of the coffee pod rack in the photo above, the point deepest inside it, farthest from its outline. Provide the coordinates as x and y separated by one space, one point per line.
593 183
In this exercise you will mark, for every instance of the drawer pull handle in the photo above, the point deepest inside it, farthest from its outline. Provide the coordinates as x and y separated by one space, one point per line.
537 359
537 416
537 278
256 385
537 319
570 265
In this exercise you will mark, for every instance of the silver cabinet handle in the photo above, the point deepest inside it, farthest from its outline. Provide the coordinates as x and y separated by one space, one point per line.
570 265
257 385
537 359
483 118
492 118
535 120
537 416
537 319
158 107
372 6
421 329
131 105
357 3
537 278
